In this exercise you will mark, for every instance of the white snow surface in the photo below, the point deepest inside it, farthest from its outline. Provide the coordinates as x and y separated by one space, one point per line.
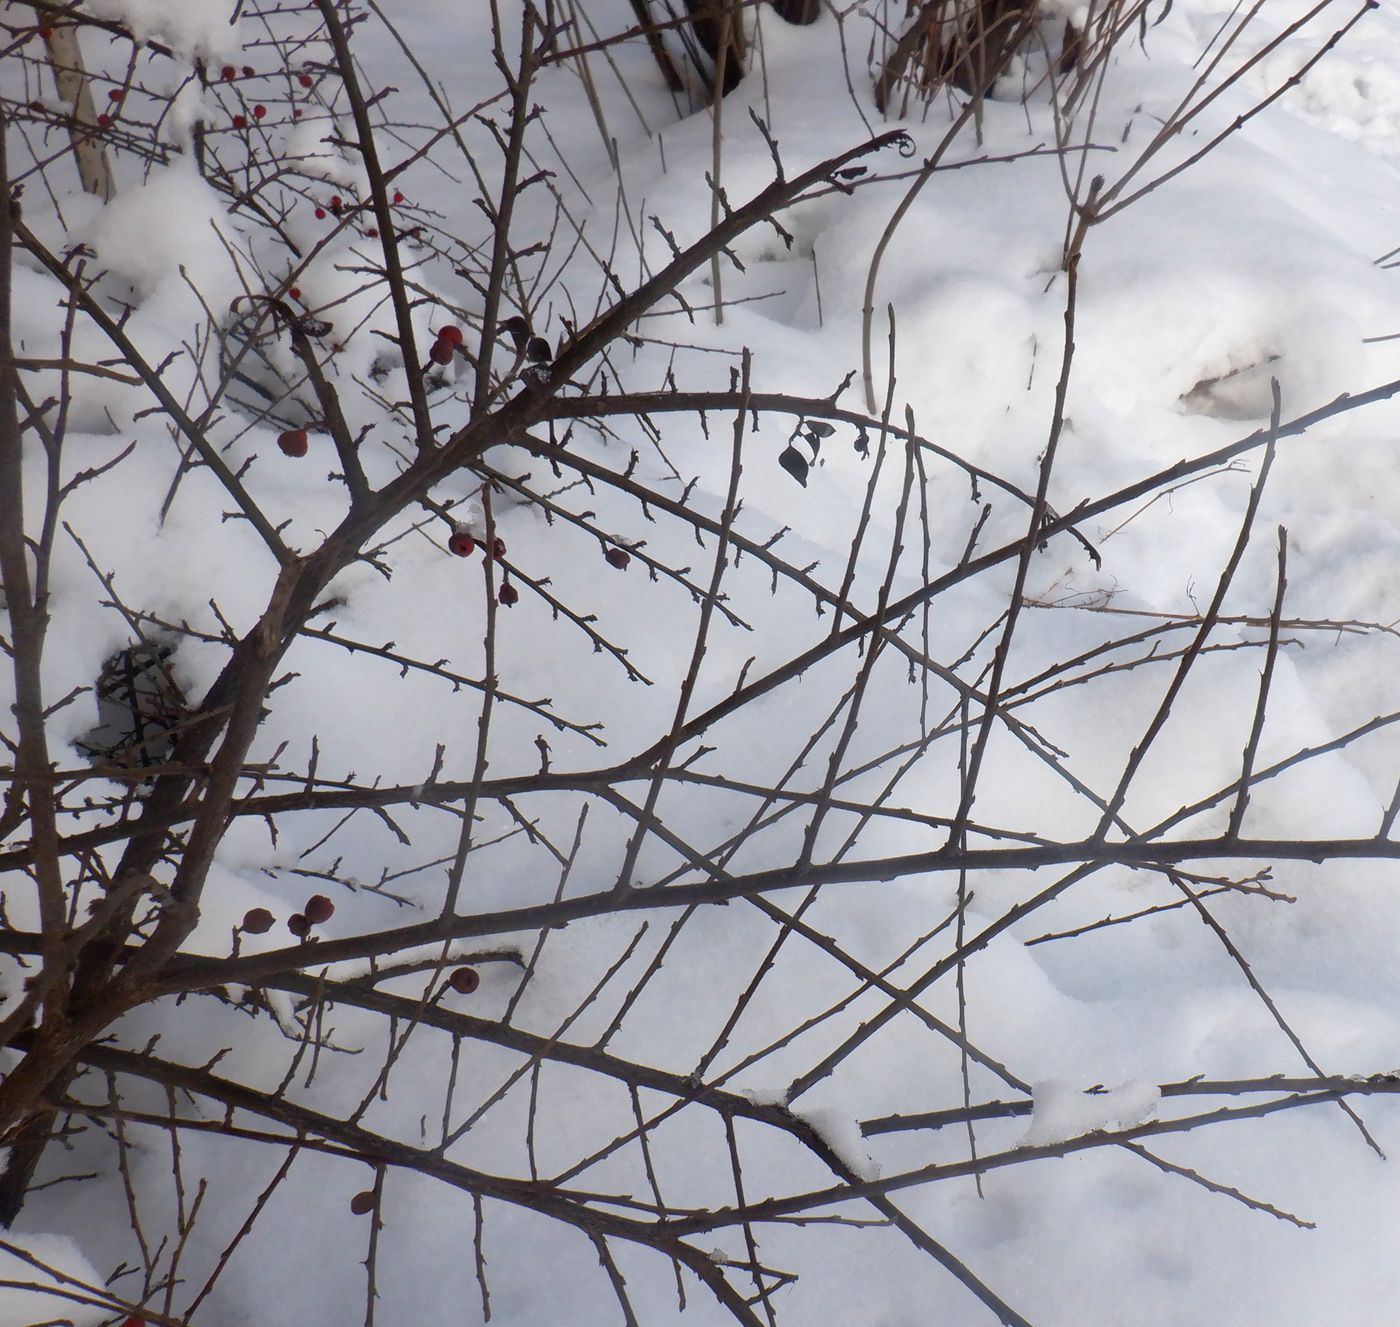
1266 260
44 1278
1059 1111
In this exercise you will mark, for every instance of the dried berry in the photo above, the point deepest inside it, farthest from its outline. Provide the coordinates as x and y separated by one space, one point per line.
257 921
464 980
318 909
293 442
297 924
115 95
509 595
442 352
461 543
498 548
618 557
228 72
363 1202
240 121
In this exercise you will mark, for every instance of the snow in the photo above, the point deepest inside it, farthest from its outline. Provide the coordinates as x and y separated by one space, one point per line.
841 1133
1257 264
34 1263
1061 1112
193 28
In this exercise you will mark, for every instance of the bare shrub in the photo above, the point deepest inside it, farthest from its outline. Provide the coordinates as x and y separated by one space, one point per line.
371 438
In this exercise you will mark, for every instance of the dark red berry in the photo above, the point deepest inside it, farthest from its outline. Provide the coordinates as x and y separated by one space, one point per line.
116 94
259 111
398 197
372 232
247 71
461 543
318 909
305 80
442 352
46 33
451 332
362 1204
293 442
464 980
509 595
320 214
240 121
134 1321
258 921
36 105
618 557
103 121
295 292
228 71
498 548
297 924
336 202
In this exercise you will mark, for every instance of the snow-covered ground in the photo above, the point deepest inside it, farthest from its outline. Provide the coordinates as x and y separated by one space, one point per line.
1269 259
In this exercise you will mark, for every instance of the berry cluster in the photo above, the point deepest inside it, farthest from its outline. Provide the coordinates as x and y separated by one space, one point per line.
316 910
449 341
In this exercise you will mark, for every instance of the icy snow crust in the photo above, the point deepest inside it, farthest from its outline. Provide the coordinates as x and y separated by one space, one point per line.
1259 261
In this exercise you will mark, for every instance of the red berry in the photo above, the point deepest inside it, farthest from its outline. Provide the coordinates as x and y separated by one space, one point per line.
297 924
247 71
257 921
362 1204
509 595
116 94
618 557
305 80
259 111
464 980
451 333
46 33
240 122
320 214
134 1321
318 909
398 197
295 292
372 232
461 543
498 548
293 442
336 202
228 71
103 121
36 105
442 352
